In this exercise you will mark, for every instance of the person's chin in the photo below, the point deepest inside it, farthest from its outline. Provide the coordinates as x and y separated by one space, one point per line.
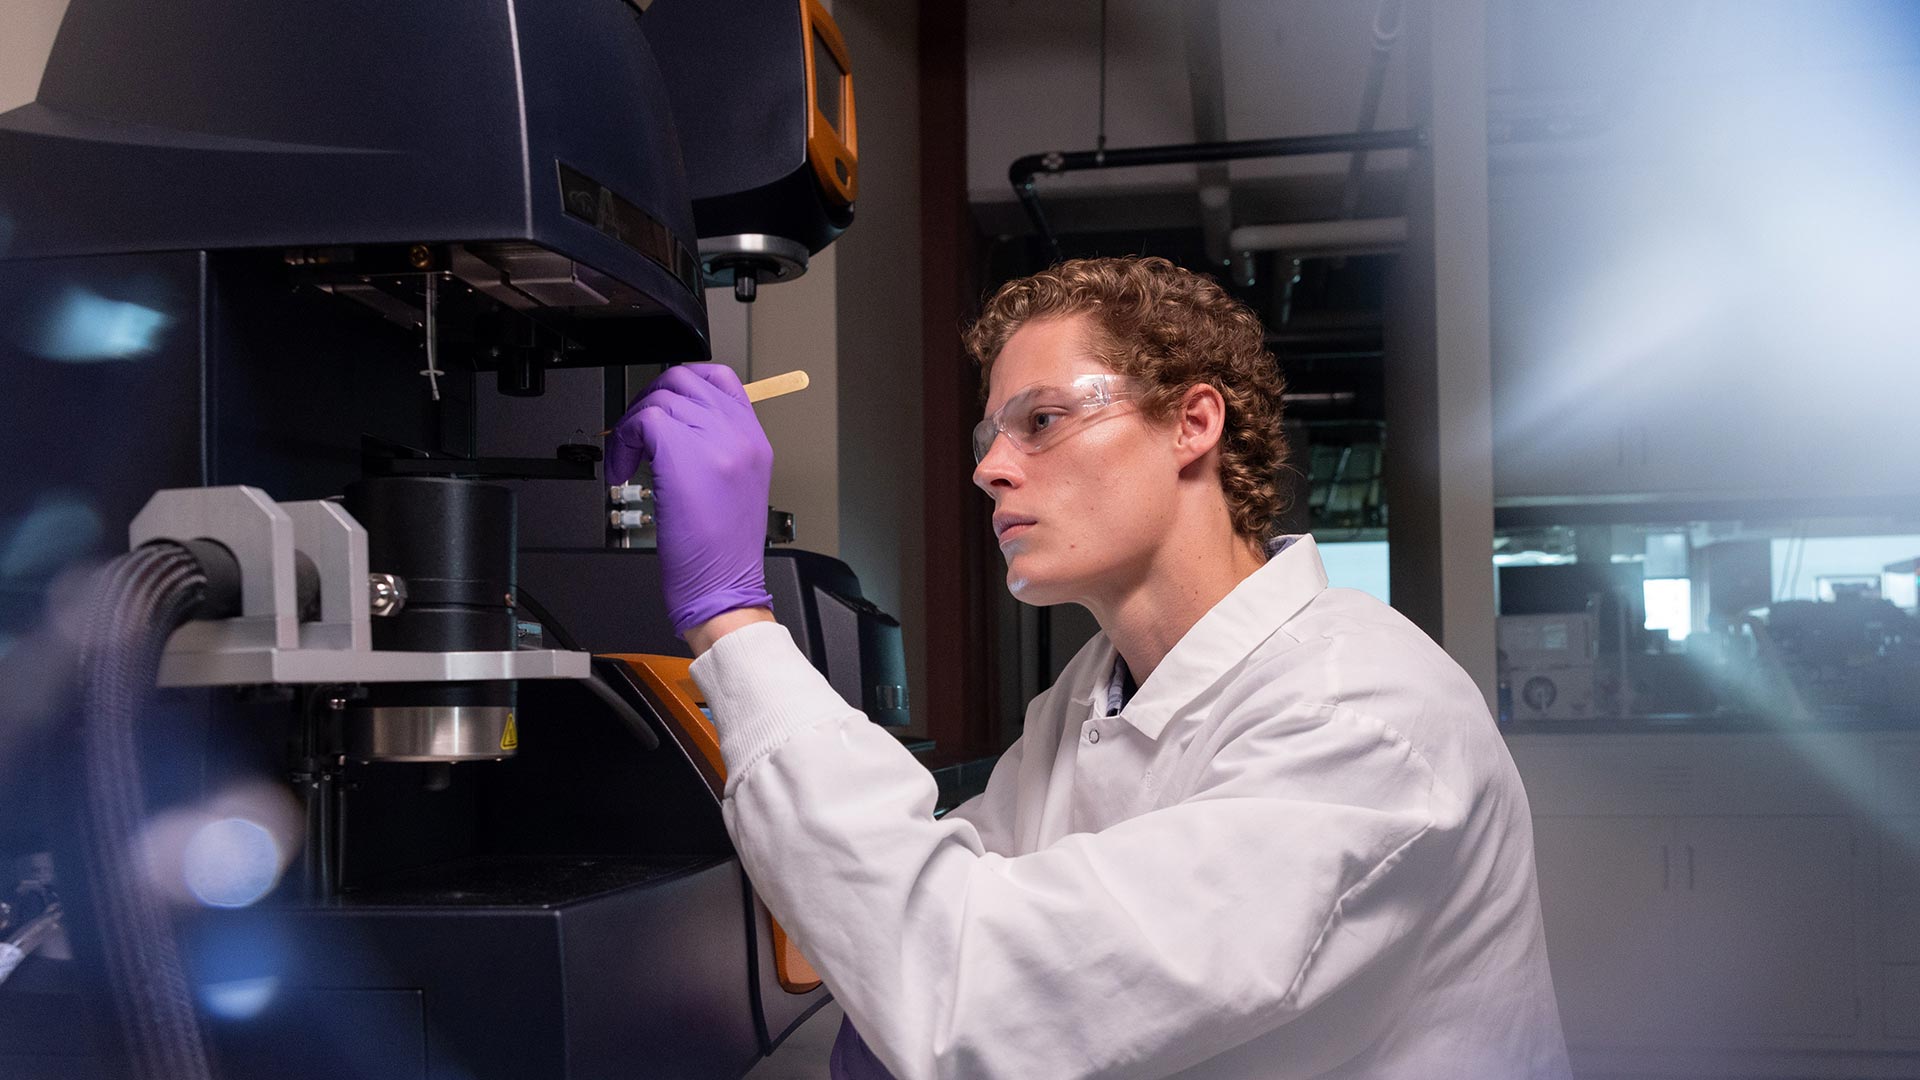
1031 584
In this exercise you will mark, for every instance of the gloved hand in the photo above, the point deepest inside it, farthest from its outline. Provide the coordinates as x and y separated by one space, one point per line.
712 467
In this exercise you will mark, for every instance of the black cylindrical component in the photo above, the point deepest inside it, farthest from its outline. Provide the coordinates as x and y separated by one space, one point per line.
222 598
306 587
453 542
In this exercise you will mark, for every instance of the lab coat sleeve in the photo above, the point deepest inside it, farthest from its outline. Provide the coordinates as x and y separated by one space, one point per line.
992 813
1139 950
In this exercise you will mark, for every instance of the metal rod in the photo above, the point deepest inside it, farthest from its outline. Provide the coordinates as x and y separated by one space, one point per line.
1100 136
1025 169
432 329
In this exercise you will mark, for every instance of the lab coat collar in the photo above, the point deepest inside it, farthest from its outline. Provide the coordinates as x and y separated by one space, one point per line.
1224 636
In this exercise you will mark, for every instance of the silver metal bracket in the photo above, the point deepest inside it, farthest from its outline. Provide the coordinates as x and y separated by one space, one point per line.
266 642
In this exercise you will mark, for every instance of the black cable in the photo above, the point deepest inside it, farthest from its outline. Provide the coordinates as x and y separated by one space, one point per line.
596 683
136 603
623 709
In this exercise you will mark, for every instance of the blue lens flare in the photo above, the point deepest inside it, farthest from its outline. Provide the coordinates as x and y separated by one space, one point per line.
240 999
231 863
85 327
60 527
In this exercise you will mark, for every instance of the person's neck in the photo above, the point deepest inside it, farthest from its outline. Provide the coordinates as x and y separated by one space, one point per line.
1174 587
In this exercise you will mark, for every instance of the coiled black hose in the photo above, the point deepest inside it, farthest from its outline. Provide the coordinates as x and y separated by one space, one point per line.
136 603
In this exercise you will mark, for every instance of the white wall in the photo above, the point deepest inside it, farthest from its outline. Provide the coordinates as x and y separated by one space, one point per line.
882 504
796 326
27 29
847 451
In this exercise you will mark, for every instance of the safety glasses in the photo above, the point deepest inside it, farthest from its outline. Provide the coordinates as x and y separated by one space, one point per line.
1043 414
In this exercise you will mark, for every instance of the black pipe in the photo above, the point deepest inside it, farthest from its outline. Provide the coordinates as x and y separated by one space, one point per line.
1023 170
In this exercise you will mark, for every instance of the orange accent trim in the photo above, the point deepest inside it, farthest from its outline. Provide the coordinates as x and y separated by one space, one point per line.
831 152
795 973
671 680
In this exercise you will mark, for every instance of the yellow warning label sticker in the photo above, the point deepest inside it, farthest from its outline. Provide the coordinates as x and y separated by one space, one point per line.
510 738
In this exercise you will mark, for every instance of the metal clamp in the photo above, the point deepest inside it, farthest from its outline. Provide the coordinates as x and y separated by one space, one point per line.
267 643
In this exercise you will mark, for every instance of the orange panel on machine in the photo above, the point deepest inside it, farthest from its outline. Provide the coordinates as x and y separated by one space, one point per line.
671 680
796 974
833 144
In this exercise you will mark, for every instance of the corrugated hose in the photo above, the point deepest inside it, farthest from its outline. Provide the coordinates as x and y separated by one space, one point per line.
135 604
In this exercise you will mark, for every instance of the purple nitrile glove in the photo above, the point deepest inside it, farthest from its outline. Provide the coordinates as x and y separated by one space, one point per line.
711 471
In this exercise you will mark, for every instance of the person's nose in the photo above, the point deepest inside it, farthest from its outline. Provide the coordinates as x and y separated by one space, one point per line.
999 471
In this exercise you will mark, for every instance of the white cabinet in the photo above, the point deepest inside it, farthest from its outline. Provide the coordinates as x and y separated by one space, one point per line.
1731 905
1898 920
1689 930
1765 924
1623 366
1613 373
1610 937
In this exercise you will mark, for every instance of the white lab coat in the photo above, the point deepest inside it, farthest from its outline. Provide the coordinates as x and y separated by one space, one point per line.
1301 850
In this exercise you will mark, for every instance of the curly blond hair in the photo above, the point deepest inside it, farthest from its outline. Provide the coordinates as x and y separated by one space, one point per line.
1172 330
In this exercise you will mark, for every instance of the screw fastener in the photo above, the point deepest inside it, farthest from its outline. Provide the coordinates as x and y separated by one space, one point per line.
387 596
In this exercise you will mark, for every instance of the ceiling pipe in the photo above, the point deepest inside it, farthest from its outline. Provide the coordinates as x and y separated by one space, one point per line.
1305 239
1024 170
1206 86
1302 241
1386 31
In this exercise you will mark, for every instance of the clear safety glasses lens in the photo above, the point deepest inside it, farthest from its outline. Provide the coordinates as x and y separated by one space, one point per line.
1038 416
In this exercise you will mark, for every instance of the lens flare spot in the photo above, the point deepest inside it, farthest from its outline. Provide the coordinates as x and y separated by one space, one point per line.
230 863
57 529
240 999
86 327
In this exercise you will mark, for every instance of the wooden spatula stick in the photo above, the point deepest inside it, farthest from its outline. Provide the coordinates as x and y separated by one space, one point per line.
761 389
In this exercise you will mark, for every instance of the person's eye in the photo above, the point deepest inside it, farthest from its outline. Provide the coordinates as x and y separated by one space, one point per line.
1039 422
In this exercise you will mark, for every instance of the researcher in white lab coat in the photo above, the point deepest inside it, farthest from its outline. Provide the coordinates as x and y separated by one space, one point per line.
1259 827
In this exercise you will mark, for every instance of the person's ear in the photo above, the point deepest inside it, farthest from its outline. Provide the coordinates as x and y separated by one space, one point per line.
1201 421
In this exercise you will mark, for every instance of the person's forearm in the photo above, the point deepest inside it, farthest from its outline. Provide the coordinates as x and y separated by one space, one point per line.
701 636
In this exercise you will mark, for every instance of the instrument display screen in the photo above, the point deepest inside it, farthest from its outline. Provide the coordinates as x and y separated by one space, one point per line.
827 77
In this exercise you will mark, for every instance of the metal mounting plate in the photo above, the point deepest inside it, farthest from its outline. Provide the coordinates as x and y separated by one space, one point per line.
308 666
